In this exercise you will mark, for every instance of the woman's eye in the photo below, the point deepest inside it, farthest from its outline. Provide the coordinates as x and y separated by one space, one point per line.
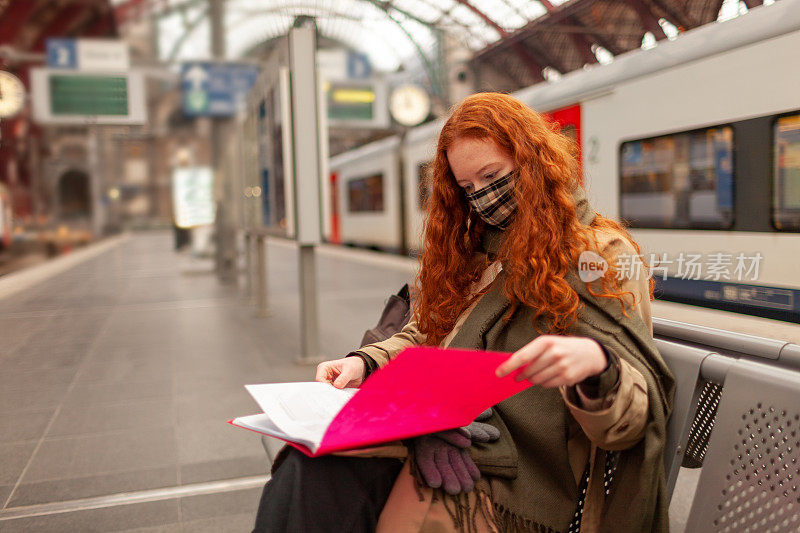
490 176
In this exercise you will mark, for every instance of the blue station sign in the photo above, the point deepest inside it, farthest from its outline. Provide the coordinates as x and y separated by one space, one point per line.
213 89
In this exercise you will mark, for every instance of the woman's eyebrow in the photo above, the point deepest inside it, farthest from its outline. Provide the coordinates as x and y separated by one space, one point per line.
484 167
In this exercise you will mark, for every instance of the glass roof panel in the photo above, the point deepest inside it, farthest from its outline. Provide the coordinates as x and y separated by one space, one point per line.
390 32
529 10
503 13
465 16
444 5
251 30
420 9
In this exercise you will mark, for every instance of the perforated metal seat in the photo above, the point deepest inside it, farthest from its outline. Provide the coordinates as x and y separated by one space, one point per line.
702 425
773 352
686 363
751 470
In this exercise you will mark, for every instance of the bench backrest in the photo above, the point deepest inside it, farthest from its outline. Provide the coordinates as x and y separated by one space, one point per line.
685 363
686 348
751 471
739 345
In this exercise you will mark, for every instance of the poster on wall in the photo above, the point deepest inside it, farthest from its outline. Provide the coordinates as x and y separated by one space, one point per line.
193 196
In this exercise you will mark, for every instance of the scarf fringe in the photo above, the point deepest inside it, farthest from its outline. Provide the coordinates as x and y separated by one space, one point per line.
465 518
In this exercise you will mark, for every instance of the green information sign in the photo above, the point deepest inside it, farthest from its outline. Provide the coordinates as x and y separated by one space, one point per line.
75 94
350 103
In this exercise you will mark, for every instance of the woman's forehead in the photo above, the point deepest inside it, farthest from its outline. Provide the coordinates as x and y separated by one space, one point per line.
467 154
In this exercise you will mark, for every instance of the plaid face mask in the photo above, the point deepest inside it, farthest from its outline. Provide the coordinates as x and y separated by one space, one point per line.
495 203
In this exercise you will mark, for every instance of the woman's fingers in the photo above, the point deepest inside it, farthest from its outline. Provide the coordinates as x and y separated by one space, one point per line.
342 380
524 356
553 360
324 372
552 373
544 361
341 372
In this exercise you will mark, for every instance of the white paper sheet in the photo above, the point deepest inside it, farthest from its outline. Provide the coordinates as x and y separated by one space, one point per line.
300 410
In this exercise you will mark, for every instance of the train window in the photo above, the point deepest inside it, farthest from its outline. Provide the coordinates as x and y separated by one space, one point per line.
423 189
786 174
684 180
365 194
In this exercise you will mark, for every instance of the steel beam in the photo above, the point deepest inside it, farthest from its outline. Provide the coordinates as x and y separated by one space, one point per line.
676 14
546 57
65 20
14 18
584 48
647 18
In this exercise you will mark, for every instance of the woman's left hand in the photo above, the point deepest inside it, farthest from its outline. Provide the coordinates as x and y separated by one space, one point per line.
555 360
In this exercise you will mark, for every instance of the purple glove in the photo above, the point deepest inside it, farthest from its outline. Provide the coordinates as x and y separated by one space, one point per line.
443 461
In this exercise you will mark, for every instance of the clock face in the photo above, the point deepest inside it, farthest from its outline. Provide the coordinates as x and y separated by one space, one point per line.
409 105
12 94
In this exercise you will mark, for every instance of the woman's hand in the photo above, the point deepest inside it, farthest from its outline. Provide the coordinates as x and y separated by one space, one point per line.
341 373
555 360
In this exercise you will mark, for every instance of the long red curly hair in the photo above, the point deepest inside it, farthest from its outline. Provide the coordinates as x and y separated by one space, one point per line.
543 240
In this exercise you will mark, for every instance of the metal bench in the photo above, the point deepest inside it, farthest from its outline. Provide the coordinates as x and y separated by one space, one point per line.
751 470
737 345
734 412
724 342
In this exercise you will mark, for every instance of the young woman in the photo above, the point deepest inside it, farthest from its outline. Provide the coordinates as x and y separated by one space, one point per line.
508 229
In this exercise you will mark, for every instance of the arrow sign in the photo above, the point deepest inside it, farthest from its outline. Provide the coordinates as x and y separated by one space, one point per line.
196 76
215 88
62 53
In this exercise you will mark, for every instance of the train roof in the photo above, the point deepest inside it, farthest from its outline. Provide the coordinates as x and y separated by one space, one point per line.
366 150
760 24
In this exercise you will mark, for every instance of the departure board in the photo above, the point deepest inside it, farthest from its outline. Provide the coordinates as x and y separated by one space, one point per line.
351 103
73 94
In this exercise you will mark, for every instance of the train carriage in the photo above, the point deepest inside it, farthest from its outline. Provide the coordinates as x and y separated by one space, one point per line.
695 144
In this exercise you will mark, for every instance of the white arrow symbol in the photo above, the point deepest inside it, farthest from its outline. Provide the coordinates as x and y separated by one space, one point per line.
196 76
63 56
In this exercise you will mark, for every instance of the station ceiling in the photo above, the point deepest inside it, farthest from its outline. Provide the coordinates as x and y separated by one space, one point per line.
513 42
584 32
521 41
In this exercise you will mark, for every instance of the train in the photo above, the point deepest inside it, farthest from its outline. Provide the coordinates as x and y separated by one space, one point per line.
694 144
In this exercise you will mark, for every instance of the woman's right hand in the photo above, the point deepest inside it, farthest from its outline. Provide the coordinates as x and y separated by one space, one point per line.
341 373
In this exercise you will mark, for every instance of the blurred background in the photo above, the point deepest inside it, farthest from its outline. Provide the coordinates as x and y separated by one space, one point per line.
73 173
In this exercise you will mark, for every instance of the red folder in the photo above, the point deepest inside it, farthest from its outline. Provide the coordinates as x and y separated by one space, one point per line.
421 391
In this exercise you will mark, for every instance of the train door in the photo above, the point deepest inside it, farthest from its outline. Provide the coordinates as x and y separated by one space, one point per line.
569 120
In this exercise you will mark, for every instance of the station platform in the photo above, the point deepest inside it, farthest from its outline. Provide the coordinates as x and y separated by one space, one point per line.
121 364
120 372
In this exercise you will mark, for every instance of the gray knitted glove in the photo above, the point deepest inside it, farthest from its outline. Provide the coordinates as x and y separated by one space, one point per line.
444 464
479 431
